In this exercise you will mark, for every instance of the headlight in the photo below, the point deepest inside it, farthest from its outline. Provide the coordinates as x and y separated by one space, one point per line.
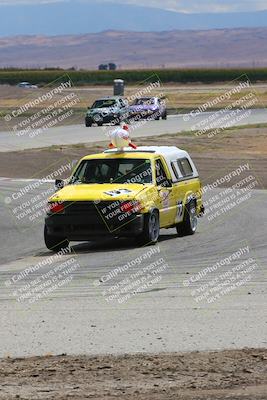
97 117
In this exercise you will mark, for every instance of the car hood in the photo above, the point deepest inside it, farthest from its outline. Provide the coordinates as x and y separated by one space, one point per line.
98 192
106 110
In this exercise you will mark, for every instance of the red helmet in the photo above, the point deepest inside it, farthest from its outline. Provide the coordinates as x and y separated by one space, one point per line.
125 127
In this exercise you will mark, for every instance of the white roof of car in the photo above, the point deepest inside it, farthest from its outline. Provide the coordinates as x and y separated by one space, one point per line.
169 152
166 151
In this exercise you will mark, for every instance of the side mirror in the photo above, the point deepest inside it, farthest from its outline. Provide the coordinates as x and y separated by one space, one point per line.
59 184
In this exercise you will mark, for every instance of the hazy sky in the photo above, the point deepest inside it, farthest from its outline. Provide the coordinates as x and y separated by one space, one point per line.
187 6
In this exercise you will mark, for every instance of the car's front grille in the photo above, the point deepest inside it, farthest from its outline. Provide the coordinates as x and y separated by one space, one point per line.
81 218
107 212
80 207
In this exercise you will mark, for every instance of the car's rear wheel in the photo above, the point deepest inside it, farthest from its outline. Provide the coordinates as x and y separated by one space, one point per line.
54 243
189 224
88 123
151 229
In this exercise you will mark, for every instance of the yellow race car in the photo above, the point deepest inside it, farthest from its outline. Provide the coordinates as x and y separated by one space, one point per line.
126 193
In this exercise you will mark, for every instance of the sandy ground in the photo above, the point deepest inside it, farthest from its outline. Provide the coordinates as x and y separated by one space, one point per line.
231 375
212 156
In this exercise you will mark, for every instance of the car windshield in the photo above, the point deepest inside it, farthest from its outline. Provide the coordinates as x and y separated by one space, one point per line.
113 171
145 101
104 103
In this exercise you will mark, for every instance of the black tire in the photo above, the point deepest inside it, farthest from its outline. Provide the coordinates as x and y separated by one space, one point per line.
54 243
164 116
100 124
189 224
88 124
151 229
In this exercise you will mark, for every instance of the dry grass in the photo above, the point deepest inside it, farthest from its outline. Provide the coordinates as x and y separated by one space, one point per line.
178 97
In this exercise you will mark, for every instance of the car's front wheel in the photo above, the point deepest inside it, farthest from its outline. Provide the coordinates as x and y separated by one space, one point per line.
54 243
151 229
88 123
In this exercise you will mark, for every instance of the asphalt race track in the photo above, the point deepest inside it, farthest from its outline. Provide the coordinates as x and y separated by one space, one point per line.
82 317
73 134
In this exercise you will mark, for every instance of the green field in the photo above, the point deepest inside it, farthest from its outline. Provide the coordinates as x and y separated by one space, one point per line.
44 77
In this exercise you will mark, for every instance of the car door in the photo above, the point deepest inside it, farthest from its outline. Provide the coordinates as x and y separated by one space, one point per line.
183 187
167 206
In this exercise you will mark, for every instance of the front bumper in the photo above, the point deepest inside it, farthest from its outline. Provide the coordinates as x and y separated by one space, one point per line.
84 221
102 119
144 114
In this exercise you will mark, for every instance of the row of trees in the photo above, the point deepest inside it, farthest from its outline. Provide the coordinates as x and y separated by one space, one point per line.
103 77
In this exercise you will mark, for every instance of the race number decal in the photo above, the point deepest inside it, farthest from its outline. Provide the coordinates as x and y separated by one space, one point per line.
118 192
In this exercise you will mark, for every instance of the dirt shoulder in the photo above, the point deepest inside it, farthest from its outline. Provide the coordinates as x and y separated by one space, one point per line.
231 374
214 157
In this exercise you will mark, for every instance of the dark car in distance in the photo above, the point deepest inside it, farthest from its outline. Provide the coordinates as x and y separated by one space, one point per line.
107 110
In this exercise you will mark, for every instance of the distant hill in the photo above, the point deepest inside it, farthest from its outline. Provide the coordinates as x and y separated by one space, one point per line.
78 17
205 48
